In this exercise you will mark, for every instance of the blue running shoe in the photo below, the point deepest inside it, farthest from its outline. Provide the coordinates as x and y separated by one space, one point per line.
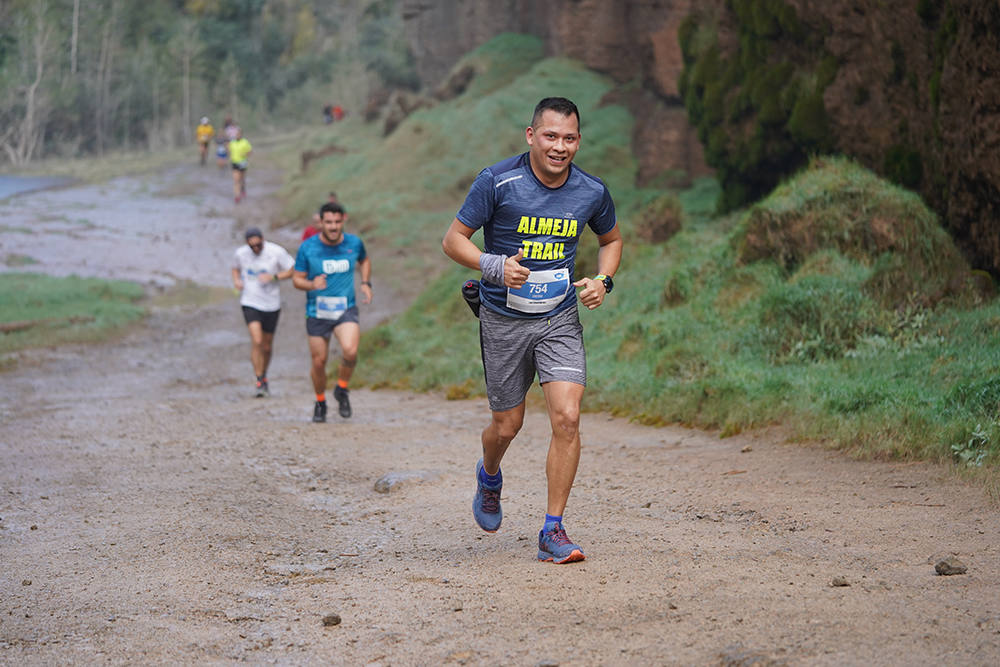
555 546
486 504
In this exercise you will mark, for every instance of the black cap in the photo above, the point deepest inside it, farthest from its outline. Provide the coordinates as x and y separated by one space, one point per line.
252 232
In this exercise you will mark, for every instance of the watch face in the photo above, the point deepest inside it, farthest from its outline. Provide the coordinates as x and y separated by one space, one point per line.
608 284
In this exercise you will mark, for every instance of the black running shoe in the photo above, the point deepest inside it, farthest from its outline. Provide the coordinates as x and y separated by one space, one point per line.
343 402
319 412
262 389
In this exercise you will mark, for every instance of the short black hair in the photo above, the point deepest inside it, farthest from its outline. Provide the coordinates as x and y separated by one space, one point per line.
331 207
557 104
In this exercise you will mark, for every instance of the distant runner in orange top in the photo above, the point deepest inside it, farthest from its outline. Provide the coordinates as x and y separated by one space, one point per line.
204 133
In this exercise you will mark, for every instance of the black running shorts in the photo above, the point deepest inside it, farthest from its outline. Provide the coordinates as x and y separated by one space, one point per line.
268 320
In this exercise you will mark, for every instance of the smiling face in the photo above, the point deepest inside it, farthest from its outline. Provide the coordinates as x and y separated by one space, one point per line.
331 227
554 140
256 244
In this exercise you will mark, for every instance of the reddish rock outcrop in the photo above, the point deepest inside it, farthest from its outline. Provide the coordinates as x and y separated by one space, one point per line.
634 40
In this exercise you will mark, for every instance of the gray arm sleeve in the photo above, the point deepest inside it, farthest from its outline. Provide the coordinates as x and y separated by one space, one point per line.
492 268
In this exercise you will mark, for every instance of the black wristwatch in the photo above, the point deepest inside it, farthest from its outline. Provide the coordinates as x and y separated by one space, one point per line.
609 284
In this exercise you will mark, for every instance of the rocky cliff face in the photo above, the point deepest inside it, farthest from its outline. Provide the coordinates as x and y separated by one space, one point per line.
631 40
926 82
917 79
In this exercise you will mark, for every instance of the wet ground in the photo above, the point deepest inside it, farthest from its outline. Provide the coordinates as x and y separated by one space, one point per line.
157 230
15 185
152 511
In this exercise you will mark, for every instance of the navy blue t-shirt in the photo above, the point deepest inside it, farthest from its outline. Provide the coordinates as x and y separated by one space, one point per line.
516 211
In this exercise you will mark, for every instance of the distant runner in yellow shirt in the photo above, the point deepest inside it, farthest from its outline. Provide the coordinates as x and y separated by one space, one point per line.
239 153
204 133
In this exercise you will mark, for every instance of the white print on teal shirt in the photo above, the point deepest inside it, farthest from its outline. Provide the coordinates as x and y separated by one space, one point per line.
543 291
336 265
330 307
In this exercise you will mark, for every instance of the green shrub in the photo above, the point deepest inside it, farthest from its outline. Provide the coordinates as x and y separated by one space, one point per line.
903 165
809 125
659 220
760 112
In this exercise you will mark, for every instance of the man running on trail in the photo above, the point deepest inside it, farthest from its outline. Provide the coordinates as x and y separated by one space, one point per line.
204 133
257 268
324 268
239 157
532 209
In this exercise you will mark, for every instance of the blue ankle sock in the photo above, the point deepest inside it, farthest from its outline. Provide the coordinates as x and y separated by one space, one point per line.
492 481
549 520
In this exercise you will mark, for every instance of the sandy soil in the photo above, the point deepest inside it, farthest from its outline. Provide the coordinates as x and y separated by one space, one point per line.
153 512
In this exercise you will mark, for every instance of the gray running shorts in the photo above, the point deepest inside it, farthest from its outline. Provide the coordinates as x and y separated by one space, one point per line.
323 328
514 349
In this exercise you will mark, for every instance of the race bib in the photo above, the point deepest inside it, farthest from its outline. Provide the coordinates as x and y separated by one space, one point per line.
330 307
543 291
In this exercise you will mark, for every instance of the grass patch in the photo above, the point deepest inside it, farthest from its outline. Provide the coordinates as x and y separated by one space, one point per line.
40 310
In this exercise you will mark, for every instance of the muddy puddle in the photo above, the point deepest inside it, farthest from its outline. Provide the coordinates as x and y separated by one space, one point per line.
11 186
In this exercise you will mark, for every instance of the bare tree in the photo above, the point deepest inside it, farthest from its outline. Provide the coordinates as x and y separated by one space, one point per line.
229 77
105 69
186 47
23 136
75 37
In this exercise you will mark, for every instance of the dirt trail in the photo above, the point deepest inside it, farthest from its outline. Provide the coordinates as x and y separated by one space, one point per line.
153 512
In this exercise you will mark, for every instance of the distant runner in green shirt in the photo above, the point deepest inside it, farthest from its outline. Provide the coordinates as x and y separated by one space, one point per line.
239 153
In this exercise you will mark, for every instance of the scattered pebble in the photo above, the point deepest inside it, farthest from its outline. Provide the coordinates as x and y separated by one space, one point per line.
746 449
331 619
950 565
840 581
26 582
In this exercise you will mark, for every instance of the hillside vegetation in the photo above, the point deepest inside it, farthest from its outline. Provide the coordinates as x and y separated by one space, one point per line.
836 307
906 89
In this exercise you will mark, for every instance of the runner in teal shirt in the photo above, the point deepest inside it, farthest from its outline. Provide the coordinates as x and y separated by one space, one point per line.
324 269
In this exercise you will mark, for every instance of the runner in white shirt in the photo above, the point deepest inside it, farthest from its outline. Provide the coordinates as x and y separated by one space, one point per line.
257 268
